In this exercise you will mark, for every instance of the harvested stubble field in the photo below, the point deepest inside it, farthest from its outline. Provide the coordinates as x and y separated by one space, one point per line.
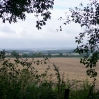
70 66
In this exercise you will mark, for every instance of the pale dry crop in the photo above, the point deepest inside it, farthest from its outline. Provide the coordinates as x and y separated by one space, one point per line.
71 67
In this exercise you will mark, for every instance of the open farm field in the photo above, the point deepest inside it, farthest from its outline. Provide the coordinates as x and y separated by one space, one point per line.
71 67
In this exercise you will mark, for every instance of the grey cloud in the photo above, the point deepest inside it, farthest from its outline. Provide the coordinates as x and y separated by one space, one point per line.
29 43
52 30
6 29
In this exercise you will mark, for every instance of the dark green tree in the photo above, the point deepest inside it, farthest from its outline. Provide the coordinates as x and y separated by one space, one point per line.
49 55
60 54
12 10
14 53
25 55
87 17
39 54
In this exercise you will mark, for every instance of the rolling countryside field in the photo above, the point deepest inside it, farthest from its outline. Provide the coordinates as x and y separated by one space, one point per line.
71 67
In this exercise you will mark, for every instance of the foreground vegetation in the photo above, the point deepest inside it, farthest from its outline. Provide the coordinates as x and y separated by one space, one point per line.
28 83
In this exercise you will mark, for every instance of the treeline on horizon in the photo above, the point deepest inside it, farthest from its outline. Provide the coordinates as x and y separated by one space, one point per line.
49 54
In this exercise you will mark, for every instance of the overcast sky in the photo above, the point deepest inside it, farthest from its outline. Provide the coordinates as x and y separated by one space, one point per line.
24 34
